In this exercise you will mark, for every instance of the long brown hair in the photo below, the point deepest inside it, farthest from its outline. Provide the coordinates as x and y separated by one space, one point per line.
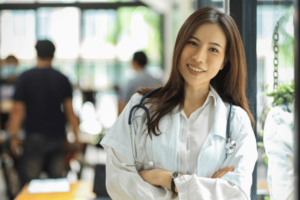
230 83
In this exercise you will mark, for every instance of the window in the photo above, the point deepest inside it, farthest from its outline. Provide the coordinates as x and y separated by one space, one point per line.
275 117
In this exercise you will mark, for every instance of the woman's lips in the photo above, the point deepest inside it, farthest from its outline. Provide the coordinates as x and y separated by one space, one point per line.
195 69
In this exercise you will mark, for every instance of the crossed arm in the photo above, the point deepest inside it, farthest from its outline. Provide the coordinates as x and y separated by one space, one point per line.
160 177
126 183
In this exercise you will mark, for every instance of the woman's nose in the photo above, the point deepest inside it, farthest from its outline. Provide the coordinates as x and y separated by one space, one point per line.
200 55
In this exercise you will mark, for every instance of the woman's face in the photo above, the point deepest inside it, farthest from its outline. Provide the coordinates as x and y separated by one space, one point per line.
203 55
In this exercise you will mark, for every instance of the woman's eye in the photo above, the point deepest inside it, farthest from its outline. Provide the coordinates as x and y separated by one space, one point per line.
192 43
213 49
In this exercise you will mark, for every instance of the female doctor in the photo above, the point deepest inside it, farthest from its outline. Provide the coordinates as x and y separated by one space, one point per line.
184 155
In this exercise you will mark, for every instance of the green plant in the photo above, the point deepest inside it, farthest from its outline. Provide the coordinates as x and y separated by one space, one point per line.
267 198
284 95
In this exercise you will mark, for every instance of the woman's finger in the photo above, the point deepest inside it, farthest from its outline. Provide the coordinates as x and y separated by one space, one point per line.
222 174
220 171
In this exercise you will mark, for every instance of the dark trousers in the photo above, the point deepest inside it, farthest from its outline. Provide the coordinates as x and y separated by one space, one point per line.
41 154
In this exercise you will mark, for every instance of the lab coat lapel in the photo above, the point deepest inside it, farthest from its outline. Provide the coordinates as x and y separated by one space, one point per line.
218 129
220 121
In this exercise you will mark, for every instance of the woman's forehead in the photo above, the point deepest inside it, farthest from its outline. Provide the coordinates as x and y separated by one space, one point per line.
211 33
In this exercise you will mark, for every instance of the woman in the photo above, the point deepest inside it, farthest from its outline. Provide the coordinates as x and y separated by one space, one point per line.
188 122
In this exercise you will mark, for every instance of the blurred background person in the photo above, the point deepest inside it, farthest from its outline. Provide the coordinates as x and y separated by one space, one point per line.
8 77
141 79
9 71
43 97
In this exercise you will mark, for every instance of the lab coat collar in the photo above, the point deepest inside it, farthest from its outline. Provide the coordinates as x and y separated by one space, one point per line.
221 112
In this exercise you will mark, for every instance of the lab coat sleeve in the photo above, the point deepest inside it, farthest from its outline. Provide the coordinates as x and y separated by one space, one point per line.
192 187
233 185
124 183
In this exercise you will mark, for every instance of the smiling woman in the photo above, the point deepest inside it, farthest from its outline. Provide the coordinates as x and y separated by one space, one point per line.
187 155
203 56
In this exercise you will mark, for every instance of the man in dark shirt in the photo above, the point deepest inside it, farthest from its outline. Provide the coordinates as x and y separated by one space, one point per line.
43 97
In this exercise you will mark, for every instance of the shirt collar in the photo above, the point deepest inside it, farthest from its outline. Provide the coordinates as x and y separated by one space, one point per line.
212 94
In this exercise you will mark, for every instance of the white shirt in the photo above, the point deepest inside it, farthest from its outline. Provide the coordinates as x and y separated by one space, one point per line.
192 137
169 148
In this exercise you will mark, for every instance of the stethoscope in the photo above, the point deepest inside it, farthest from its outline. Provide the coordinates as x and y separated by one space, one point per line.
230 144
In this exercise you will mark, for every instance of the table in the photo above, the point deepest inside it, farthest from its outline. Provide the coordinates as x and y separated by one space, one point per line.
81 190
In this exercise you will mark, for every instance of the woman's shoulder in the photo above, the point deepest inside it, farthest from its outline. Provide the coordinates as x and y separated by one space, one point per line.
240 124
237 111
136 98
239 118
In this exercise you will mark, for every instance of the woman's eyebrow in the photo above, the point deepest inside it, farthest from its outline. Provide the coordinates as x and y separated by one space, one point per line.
213 43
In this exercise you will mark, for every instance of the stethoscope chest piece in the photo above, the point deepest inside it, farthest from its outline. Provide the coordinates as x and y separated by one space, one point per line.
230 146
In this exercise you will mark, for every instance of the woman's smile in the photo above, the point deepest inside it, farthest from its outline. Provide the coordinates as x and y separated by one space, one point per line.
195 69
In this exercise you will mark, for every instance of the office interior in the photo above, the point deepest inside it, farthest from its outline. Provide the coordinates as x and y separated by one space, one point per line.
95 41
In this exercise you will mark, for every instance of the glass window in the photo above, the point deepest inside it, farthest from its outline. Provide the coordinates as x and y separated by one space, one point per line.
61 26
18 33
98 34
107 1
17 1
219 4
56 1
109 39
275 103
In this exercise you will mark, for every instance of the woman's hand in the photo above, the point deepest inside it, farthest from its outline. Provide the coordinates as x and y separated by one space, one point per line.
222 172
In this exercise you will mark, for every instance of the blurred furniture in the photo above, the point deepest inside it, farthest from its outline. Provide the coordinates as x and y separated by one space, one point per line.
99 183
79 190
8 165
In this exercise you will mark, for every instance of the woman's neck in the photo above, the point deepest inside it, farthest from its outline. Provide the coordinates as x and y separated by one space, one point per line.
194 98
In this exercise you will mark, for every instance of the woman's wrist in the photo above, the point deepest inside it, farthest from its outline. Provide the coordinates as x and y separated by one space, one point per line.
164 178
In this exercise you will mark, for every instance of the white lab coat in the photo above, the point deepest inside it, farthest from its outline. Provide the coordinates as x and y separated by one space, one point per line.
125 183
279 146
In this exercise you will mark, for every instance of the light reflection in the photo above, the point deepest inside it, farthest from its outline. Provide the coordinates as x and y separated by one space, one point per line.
125 48
138 31
89 121
106 108
77 101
